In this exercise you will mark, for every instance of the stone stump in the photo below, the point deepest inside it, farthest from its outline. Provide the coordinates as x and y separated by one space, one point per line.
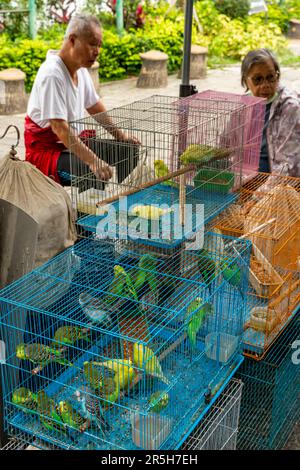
13 98
154 72
294 30
198 62
94 73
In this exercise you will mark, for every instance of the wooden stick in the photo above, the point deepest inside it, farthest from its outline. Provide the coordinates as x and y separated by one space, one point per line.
182 196
219 154
148 184
251 232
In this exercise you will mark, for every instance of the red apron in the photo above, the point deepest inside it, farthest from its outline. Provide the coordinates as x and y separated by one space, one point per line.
42 148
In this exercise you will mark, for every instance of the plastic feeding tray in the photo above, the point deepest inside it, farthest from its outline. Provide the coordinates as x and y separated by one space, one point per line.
149 432
220 346
214 180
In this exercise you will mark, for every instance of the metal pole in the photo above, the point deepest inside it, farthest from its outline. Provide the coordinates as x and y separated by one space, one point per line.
32 18
120 19
185 88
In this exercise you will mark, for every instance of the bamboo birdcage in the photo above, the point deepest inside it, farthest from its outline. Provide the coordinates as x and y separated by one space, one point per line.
273 203
271 206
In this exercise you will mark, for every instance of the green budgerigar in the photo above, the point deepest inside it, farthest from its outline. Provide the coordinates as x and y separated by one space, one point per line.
25 398
121 285
123 370
71 417
195 320
162 169
232 273
98 377
41 355
69 335
158 401
49 413
144 358
206 266
198 154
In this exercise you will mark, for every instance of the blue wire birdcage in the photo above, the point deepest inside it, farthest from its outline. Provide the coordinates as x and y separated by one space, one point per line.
270 401
110 350
173 134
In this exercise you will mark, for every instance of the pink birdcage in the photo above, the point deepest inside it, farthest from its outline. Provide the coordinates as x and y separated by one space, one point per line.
243 121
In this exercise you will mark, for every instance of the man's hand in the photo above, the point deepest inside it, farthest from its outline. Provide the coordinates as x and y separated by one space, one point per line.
129 139
101 170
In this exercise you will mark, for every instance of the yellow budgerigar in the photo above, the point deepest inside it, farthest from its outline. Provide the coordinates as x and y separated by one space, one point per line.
144 358
148 211
162 169
124 372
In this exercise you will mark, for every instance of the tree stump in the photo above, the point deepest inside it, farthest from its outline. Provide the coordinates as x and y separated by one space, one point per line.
198 62
94 73
154 72
294 30
13 98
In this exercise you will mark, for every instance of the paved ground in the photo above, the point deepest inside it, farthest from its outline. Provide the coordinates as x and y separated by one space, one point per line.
123 92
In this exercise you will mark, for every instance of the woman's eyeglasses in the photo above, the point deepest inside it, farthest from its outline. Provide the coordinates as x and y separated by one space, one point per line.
259 80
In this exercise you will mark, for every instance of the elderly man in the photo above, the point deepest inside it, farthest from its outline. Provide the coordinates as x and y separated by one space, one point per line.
62 92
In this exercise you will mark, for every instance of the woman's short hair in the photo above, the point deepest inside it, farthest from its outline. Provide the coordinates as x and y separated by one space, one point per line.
81 25
258 56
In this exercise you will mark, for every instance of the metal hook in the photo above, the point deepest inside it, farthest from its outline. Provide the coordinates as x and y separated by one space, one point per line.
18 135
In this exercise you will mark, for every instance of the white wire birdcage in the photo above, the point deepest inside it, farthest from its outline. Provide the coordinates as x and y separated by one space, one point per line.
218 429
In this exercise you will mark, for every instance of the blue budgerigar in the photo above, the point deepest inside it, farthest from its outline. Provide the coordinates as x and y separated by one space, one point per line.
96 309
91 408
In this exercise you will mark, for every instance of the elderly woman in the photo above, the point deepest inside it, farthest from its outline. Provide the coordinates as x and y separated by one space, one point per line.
280 149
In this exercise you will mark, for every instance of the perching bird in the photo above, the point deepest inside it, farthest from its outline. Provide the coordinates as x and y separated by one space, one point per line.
232 273
121 286
97 310
91 409
97 377
158 401
25 398
206 266
161 169
195 321
49 413
123 370
148 211
41 355
147 265
69 335
71 417
144 358
200 153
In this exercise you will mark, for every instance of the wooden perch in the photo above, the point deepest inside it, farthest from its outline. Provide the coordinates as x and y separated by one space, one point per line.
148 184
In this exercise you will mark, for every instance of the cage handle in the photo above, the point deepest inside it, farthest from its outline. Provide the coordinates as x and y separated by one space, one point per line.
12 151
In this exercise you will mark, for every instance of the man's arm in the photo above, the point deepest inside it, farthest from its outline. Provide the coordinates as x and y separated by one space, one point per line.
65 133
105 120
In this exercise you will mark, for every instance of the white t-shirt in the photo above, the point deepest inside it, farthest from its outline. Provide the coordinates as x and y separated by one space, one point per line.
55 96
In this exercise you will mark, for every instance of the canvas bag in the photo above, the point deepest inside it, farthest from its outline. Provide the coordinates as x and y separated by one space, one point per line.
23 185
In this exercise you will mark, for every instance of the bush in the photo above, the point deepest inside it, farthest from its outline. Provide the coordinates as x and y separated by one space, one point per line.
226 39
233 8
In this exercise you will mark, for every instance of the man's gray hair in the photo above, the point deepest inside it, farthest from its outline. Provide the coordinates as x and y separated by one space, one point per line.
81 25
257 56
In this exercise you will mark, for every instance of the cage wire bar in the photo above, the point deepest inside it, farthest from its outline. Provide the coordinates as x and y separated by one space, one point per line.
90 336
219 428
216 431
173 133
267 212
271 395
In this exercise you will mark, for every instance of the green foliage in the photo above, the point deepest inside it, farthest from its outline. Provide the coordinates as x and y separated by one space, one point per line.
233 8
232 39
24 54
119 56
227 40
